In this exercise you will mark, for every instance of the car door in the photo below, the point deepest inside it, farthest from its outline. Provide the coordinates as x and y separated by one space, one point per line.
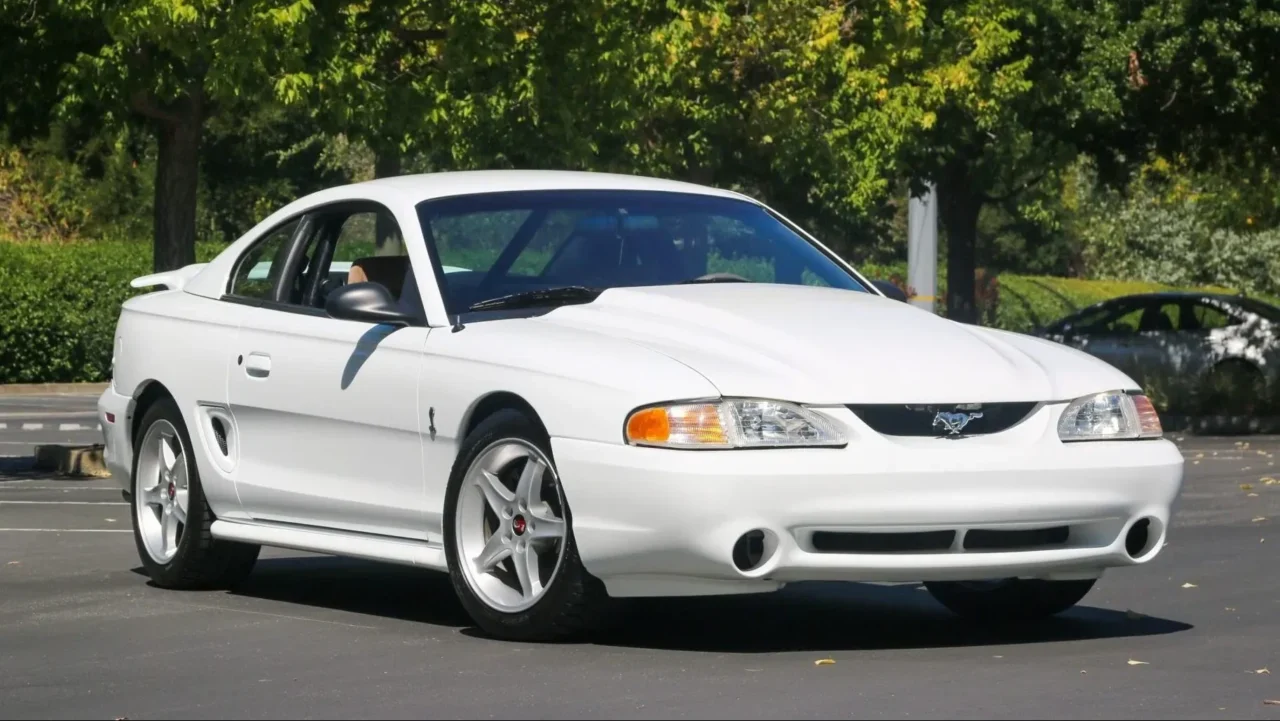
327 409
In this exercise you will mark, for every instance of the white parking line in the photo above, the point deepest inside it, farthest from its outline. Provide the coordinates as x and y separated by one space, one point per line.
70 427
17 486
4 426
32 426
62 503
65 530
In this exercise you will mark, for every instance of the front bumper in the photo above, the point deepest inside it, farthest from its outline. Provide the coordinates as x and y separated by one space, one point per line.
654 522
115 414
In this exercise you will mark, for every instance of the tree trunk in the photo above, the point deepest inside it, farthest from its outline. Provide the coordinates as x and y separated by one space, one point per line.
960 206
386 164
177 180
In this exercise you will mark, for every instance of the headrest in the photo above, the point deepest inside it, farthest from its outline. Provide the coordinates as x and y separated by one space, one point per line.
388 270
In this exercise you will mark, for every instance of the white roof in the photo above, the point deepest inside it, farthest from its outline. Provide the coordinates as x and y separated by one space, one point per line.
437 185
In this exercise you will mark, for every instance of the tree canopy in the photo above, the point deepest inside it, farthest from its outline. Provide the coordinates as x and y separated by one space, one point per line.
831 111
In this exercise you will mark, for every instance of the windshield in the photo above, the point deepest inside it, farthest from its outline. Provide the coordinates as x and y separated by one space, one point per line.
501 244
1264 309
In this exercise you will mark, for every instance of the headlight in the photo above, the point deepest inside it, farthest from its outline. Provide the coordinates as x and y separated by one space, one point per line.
1110 416
731 423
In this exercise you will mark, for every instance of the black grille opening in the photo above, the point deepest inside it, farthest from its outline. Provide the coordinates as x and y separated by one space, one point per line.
220 434
932 420
916 542
989 540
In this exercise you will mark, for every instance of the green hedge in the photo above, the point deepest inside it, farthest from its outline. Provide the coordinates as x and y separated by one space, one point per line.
59 303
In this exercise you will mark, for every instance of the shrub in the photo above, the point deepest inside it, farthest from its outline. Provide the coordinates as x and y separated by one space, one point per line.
60 303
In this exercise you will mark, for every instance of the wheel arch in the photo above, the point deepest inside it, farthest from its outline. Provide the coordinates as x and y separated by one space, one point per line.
493 402
144 396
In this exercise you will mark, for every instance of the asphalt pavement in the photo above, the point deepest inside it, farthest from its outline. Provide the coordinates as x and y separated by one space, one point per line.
83 635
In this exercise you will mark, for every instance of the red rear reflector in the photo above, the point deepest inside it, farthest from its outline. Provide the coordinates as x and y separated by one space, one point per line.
111 418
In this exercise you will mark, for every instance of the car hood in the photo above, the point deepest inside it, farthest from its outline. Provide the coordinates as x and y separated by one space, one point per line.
828 346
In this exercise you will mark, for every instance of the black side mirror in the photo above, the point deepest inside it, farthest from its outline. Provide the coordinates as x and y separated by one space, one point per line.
366 302
890 290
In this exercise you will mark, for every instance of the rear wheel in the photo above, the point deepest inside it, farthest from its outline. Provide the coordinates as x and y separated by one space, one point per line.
171 517
1011 599
1234 387
508 537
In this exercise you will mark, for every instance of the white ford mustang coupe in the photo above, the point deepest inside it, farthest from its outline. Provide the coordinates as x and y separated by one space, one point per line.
566 387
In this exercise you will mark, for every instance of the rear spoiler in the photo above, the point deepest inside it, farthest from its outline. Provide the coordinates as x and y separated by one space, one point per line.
170 279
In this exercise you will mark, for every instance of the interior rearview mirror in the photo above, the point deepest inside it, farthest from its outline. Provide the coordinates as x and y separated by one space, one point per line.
367 303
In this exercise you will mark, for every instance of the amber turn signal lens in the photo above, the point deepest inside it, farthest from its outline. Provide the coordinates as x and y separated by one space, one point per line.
1148 419
649 426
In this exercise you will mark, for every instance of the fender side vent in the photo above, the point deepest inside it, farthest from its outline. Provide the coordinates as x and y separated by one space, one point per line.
220 434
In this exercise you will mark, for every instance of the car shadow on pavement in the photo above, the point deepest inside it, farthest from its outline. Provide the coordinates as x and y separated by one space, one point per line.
356 586
816 617
849 616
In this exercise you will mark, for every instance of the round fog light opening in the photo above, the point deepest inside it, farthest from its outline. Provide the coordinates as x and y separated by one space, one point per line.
1136 540
748 552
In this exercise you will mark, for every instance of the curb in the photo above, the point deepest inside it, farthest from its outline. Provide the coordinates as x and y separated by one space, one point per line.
45 389
72 460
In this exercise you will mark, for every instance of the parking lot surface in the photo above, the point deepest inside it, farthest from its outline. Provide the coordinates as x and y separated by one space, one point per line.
1192 635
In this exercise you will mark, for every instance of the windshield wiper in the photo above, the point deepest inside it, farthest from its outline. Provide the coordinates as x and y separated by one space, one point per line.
564 295
716 278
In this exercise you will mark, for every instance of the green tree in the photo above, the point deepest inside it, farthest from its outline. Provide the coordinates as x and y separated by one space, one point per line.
1015 91
176 63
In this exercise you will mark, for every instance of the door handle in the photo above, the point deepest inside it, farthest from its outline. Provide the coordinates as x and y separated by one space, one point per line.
258 365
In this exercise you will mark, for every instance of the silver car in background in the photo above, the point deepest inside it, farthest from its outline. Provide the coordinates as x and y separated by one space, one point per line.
1220 353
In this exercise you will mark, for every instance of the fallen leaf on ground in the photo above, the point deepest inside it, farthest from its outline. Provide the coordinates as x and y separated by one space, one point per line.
1138 663
1084 672
1253 495
1259 519
1263 672
109 520
1269 481
1246 487
1230 608
1190 585
1133 615
1247 468
1269 702
824 662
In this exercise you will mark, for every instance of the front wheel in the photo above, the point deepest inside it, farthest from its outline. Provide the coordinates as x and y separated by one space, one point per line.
508 538
1010 599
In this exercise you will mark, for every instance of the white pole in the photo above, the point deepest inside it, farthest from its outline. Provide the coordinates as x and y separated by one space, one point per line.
922 248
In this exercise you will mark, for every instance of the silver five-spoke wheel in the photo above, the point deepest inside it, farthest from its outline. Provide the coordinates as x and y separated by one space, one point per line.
163 491
510 525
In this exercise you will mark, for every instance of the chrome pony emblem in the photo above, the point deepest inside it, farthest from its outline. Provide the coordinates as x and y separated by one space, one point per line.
954 423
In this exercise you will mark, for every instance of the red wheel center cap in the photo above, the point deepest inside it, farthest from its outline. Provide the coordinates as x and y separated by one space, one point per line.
518 525
173 490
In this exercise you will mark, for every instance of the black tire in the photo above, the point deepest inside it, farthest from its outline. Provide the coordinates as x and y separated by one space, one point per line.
1235 388
201 562
1013 600
574 604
